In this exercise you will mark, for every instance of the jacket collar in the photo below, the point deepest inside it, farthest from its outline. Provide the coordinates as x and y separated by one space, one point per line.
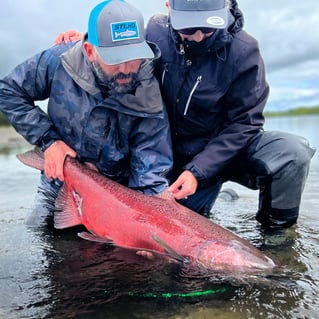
146 98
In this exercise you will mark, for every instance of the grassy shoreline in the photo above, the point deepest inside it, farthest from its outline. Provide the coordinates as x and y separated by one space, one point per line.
296 111
9 138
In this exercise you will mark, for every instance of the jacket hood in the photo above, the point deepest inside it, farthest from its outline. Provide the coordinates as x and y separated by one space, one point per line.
146 98
77 65
238 18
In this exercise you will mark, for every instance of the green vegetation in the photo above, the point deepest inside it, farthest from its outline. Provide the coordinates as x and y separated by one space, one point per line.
3 120
297 111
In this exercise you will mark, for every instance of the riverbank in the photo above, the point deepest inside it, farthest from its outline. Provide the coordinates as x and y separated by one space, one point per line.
296 111
292 112
10 139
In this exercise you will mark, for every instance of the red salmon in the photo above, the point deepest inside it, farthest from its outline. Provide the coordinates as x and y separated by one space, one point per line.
115 214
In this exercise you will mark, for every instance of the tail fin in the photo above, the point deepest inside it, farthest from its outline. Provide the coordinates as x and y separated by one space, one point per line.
33 158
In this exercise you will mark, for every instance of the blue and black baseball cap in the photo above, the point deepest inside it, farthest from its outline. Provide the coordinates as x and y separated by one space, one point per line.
116 29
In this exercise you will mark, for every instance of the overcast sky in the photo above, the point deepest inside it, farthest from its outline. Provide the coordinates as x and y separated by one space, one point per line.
287 31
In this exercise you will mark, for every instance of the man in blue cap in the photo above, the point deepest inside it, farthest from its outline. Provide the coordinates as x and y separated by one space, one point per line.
104 103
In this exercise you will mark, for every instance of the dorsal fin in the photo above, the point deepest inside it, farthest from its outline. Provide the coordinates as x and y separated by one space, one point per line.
33 158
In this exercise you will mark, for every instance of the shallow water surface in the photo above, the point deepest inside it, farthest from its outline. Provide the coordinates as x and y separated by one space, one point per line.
54 274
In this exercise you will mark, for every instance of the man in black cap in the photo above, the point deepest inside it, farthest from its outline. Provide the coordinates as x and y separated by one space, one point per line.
213 83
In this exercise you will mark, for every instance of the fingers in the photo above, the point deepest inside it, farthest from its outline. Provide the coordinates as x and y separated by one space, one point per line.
68 36
70 152
185 185
54 159
165 195
146 254
63 37
54 169
91 166
59 39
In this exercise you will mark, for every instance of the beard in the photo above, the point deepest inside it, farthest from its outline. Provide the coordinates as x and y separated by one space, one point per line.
110 85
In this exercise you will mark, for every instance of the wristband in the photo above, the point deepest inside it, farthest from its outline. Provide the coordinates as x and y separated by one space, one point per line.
48 138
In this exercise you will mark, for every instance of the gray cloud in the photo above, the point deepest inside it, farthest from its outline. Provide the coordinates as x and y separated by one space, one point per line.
286 31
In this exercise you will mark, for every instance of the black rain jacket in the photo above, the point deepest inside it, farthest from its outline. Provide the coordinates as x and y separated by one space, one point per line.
215 92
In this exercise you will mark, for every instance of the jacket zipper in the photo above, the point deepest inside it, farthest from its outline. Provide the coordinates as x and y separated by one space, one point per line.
164 73
181 49
199 79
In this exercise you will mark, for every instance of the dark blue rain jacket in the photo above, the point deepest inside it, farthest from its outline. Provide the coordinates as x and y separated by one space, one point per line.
215 92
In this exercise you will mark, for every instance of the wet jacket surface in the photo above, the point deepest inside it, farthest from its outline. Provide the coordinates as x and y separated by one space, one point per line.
215 93
125 135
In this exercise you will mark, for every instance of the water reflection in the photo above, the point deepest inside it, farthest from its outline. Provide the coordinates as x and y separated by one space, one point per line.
50 274
301 125
82 276
68 277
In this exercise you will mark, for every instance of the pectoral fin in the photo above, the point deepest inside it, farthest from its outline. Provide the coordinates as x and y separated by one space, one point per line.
169 250
67 209
92 237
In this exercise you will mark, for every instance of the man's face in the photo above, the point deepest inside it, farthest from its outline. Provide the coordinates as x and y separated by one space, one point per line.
120 78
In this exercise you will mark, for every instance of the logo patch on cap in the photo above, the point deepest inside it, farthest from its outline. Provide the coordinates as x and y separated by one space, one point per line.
124 30
214 20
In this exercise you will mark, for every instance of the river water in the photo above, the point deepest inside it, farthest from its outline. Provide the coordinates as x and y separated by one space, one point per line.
50 274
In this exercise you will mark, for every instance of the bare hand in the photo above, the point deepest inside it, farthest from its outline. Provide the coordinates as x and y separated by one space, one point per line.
68 36
185 185
91 166
54 157
146 254
165 195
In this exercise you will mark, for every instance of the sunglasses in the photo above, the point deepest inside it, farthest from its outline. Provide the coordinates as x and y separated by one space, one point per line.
190 31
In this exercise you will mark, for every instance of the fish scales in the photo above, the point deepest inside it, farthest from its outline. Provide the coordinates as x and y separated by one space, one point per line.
114 213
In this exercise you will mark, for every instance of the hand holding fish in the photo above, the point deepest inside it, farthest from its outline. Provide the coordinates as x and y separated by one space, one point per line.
185 185
165 195
54 159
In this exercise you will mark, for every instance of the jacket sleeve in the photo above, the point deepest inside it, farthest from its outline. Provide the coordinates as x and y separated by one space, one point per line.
152 159
244 103
27 83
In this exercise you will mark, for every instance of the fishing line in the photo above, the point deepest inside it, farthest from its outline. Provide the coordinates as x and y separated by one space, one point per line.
168 295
